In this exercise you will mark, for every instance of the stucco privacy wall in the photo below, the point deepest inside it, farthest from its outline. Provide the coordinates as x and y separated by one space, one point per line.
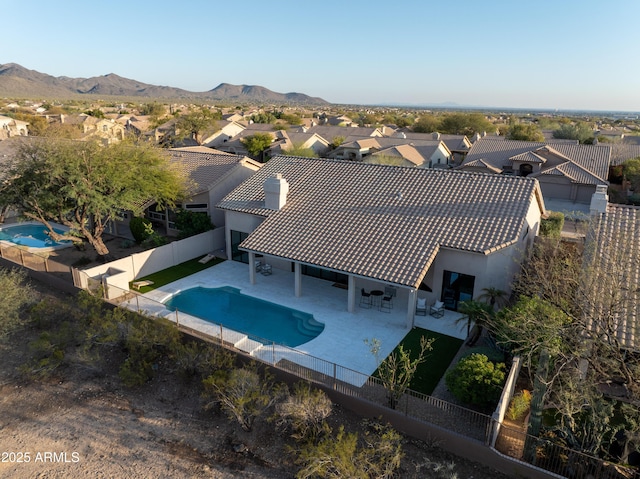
120 272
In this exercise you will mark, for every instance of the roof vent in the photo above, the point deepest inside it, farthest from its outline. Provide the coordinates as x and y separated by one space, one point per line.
275 192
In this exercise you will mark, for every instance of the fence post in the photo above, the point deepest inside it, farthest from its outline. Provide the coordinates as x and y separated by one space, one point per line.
21 257
221 339
335 376
177 319
273 353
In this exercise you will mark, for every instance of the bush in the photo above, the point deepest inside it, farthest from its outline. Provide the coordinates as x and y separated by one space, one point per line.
191 223
141 228
519 406
476 380
199 359
242 394
15 293
494 355
305 412
552 226
376 454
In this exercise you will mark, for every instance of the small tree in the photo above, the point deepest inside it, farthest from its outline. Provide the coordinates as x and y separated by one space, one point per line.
191 223
476 380
552 226
525 132
476 313
140 227
15 293
194 123
256 144
398 369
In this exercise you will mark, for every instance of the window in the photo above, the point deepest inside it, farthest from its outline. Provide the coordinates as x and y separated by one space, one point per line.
526 169
324 274
196 206
456 287
238 237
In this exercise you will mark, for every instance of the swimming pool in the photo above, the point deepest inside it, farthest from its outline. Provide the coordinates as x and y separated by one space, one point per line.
32 235
245 314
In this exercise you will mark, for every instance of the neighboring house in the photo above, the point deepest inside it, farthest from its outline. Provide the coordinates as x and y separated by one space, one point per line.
292 139
446 233
330 133
104 129
10 127
423 154
225 131
211 174
616 299
458 145
568 172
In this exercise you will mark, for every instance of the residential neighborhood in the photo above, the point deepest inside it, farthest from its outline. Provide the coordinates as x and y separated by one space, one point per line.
370 232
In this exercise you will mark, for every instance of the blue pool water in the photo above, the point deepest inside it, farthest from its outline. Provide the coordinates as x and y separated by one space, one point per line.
31 235
245 314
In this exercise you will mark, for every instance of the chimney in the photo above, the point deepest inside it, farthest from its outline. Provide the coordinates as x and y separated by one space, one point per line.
275 192
599 200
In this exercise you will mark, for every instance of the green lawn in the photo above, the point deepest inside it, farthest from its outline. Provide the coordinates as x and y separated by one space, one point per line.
429 373
174 273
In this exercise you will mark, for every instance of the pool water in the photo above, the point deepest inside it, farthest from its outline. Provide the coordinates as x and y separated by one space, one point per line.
31 235
245 314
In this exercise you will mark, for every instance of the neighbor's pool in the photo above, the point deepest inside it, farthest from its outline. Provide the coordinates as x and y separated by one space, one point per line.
32 235
245 314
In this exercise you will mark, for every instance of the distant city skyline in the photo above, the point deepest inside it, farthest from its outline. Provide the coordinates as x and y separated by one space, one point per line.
567 55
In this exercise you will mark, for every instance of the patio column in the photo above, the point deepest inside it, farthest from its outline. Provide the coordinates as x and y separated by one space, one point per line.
252 267
297 274
411 308
351 293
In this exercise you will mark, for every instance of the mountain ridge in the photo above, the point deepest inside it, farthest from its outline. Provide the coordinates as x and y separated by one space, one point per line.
18 81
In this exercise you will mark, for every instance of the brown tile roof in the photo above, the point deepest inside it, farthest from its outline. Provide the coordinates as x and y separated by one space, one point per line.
617 290
498 153
381 222
204 169
621 152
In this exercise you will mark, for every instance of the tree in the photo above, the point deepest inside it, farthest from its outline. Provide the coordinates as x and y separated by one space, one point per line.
191 223
465 124
15 293
525 132
298 149
578 131
194 123
84 185
256 144
477 313
153 109
427 124
398 369
631 172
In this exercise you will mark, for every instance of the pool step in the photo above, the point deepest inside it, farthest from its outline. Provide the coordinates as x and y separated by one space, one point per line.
248 345
309 326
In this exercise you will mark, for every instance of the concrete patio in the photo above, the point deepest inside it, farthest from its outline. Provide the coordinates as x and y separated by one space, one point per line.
343 340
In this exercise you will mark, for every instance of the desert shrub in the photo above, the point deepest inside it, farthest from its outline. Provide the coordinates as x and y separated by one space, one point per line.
305 412
15 293
197 359
476 380
48 352
552 226
375 454
140 228
519 405
242 394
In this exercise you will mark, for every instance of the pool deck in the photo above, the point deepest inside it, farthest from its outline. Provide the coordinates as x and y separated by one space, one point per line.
343 338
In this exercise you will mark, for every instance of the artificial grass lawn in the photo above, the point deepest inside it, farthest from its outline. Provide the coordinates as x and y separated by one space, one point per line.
174 273
437 361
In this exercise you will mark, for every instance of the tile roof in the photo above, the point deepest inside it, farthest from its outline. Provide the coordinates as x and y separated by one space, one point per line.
621 152
381 222
204 169
617 290
499 153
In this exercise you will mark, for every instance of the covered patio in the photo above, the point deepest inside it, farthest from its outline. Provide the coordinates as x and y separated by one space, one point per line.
343 339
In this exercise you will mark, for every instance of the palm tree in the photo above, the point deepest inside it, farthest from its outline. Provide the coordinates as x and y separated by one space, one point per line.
478 313
493 297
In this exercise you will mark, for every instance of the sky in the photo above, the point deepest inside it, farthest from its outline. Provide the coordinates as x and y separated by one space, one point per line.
542 54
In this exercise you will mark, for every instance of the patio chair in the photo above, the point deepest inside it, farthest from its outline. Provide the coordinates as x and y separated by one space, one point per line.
258 265
389 293
421 307
365 299
437 309
386 303
266 269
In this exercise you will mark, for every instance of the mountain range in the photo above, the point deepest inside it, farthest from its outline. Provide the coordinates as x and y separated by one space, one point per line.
17 81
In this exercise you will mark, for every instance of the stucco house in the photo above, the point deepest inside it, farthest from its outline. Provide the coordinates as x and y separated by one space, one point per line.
568 172
10 127
438 234
211 175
